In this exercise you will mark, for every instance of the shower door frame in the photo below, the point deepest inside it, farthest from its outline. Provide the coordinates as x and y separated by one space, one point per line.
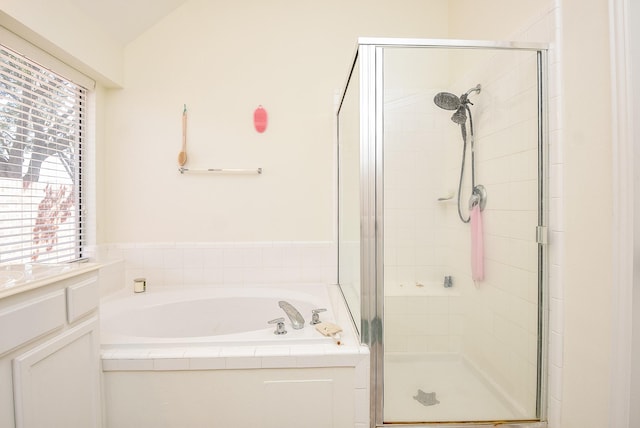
370 54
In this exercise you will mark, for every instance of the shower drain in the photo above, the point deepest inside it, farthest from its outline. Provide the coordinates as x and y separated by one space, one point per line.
426 398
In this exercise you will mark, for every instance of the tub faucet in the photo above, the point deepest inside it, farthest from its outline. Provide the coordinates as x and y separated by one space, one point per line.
297 322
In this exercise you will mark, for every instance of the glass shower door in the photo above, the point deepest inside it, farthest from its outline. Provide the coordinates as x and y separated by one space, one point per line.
349 196
461 207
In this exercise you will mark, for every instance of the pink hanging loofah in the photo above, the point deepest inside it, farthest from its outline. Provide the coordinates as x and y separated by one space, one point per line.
477 244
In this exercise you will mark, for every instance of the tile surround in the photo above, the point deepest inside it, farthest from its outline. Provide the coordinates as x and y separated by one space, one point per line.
350 354
315 262
237 264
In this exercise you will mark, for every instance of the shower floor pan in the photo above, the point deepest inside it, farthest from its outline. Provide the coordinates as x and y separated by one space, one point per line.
461 393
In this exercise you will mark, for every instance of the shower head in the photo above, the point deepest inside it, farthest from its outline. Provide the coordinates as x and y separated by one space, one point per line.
447 101
460 116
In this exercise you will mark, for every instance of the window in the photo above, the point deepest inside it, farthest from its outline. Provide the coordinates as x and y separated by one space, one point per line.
41 126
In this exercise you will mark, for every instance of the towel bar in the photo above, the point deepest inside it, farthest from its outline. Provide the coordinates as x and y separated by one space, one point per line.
222 170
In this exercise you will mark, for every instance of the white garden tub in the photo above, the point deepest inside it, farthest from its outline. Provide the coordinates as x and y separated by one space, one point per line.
213 316
203 356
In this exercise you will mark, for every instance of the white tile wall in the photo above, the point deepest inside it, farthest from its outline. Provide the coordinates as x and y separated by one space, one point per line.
236 264
501 325
422 324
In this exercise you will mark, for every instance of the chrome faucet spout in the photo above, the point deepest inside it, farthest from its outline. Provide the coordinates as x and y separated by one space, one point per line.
297 322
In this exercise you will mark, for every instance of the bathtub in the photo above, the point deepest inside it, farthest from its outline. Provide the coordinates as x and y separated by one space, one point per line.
210 316
189 356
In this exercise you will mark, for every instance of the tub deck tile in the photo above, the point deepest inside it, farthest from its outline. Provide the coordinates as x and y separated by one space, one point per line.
127 364
203 352
205 363
270 351
278 362
331 356
238 351
160 364
243 362
303 350
166 353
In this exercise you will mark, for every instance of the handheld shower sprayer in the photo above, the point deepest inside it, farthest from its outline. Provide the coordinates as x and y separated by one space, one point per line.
449 101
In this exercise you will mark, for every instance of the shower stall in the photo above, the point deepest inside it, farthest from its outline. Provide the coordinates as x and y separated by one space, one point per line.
442 234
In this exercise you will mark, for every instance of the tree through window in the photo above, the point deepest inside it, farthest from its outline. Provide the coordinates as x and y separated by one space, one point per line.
41 118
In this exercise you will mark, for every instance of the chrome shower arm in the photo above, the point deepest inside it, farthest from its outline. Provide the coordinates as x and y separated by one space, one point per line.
475 89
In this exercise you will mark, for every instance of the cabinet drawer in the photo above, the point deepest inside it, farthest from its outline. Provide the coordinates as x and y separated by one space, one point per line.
24 322
82 298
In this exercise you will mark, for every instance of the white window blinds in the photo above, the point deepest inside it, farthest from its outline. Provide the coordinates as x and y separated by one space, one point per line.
41 119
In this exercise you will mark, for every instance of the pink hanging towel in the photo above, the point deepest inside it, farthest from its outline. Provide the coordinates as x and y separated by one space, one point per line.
477 244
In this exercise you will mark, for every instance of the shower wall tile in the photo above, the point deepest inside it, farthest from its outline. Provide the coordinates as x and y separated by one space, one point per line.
556 156
554 411
557 263
556 226
419 324
556 258
500 329
556 349
557 182
414 139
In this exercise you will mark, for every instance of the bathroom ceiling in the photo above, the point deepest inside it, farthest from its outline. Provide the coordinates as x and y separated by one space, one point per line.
125 20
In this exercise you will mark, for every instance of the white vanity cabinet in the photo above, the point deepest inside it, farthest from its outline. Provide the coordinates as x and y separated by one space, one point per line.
49 354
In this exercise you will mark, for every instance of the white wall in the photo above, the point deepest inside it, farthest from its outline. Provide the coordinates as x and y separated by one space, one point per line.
64 31
634 38
492 19
588 222
223 61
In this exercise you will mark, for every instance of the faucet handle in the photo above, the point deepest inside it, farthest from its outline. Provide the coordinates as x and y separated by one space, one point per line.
279 325
315 318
